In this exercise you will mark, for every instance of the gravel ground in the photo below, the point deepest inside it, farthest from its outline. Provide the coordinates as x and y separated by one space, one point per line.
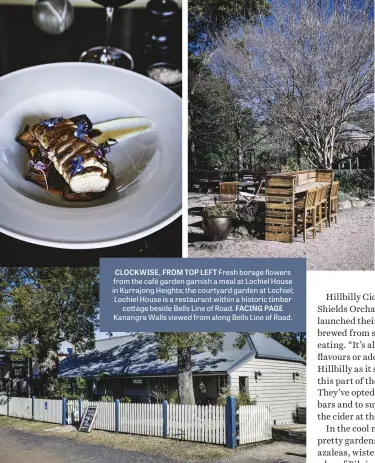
347 245
276 452
20 447
24 446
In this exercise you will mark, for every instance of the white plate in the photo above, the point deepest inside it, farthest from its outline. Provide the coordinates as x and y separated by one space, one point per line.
147 167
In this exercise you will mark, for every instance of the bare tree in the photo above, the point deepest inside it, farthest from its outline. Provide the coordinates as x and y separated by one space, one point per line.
306 69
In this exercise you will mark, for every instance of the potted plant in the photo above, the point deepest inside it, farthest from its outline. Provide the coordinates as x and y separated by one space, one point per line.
217 220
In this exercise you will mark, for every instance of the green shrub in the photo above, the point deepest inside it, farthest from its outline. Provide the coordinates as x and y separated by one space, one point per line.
359 184
161 393
126 400
174 397
241 397
220 209
291 165
107 398
69 388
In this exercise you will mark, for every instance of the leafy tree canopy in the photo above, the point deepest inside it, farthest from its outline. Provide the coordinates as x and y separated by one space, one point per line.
41 307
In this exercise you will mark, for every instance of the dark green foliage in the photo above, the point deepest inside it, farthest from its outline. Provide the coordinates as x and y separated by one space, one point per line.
107 398
251 216
221 129
359 184
42 307
75 388
125 400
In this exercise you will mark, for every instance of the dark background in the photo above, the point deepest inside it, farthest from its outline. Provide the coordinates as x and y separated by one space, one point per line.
22 44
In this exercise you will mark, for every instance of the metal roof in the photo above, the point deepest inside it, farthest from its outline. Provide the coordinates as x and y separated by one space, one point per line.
132 355
351 132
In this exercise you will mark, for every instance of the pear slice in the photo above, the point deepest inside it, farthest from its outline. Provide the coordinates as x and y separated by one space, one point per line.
121 128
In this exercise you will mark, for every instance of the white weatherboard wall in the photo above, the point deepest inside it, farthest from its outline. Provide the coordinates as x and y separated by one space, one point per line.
275 387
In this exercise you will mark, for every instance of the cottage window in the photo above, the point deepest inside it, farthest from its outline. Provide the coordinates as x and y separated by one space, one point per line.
243 381
222 382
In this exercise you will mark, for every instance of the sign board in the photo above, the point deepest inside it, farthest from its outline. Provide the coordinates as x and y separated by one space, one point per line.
19 368
137 381
88 418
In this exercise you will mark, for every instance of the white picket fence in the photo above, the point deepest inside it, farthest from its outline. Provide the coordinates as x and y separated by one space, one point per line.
198 423
105 418
3 404
72 411
47 410
186 422
255 424
144 419
195 423
20 408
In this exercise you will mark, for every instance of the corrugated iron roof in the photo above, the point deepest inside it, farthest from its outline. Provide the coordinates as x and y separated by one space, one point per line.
351 132
132 355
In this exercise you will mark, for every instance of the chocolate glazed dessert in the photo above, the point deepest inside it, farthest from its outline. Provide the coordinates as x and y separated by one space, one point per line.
68 156
65 160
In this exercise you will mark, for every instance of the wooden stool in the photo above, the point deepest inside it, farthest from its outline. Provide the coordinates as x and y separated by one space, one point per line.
322 208
305 212
333 202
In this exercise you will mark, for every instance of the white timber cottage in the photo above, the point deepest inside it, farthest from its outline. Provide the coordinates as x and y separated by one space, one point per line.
267 371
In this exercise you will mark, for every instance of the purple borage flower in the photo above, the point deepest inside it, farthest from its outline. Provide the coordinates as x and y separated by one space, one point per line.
81 130
41 167
77 165
105 148
51 122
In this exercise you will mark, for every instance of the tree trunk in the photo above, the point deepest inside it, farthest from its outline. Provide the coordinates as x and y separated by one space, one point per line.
320 158
192 153
239 151
49 367
185 377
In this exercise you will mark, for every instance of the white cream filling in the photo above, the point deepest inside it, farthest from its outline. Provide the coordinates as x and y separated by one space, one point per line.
92 182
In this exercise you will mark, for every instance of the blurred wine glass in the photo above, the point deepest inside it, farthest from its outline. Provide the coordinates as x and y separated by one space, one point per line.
106 54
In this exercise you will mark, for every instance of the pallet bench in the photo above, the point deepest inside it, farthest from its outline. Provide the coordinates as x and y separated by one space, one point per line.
281 192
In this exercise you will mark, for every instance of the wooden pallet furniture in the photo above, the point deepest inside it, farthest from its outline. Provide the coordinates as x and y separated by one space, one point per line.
322 212
333 202
306 213
280 196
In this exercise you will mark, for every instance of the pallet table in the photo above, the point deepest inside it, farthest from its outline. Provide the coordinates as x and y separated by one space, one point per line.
281 191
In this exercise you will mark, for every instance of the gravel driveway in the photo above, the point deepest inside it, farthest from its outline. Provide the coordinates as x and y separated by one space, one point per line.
349 245
276 452
21 447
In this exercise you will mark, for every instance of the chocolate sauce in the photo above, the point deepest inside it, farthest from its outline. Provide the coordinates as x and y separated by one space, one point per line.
94 133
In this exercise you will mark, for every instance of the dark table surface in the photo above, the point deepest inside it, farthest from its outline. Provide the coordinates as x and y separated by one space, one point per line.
22 45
